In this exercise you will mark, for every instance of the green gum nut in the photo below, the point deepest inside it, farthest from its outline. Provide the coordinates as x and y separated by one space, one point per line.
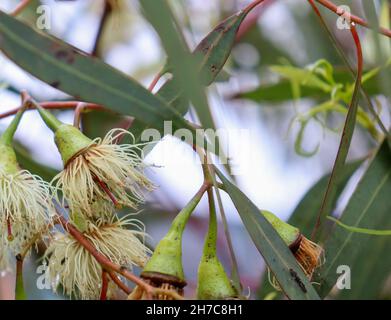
8 161
166 261
69 140
213 282
165 265
287 232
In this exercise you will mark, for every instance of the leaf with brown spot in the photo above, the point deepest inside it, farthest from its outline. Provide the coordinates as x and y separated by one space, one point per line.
89 79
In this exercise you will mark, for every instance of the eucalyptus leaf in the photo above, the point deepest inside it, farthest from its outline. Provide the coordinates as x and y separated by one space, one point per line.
305 214
276 253
84 77
369 207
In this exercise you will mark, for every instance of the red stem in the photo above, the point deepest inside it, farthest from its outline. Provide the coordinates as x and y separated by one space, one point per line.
119 283
252 5
333 7
155 81
57 105
10 237
78 111
252 19
108 192
360 59
105 286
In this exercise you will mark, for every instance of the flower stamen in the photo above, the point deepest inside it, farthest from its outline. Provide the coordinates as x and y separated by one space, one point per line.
108 192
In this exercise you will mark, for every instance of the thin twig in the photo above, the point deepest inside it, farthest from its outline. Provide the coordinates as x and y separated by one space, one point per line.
336 9
252 5
61 105
119 283
105 286
251 20
78 111
155 80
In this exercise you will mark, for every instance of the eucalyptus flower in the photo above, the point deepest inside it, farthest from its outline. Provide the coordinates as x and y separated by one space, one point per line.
25 199
78 272
97 169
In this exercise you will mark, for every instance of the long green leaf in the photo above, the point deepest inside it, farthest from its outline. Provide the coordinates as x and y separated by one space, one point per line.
342 154
184 65
86 78
212 52
305 214
368 256
275 252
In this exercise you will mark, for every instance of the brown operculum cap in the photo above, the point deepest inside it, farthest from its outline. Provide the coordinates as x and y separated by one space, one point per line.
307 253
164 281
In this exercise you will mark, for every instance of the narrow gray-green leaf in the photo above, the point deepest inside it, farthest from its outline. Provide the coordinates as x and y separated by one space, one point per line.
275 252
86 78
212 52
305 214
367 255
343 149
184 66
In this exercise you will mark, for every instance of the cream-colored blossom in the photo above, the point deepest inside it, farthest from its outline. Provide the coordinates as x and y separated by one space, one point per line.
80 275
104 170
25 199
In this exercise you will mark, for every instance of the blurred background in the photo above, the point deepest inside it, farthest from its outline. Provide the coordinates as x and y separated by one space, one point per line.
273 175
